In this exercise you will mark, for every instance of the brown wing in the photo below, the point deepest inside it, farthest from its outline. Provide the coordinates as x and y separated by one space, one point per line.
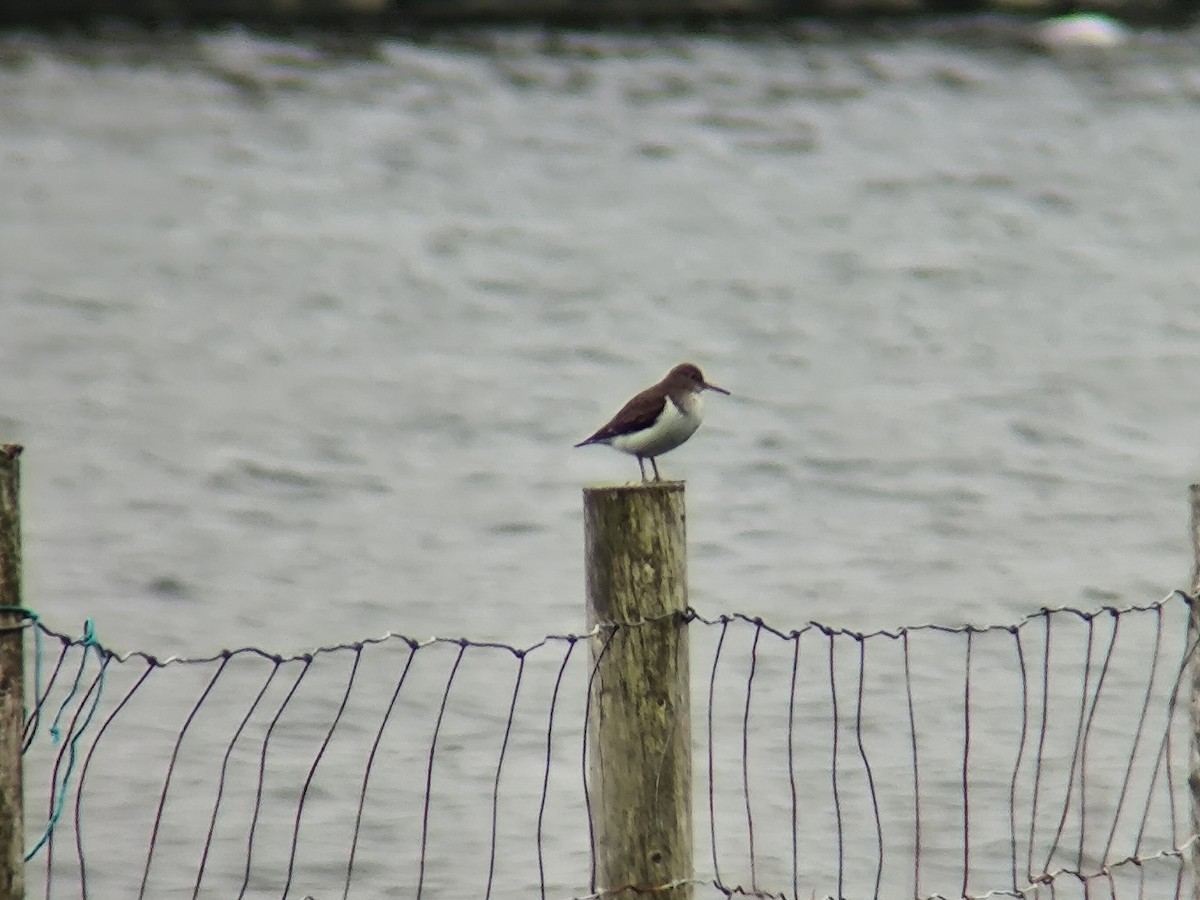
639 413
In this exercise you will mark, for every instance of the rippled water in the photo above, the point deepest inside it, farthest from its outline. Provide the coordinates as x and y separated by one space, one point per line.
299 334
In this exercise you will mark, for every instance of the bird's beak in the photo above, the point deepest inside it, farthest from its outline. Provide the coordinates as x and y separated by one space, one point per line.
713 387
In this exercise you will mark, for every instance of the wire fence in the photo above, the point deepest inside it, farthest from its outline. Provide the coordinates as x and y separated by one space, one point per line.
1048 758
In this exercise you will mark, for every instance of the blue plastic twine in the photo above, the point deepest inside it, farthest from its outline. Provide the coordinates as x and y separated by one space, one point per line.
88 642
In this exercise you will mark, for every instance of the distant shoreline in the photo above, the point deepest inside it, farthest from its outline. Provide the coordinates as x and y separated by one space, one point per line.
398 16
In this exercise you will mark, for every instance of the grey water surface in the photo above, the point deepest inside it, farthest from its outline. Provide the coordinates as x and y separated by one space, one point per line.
298 334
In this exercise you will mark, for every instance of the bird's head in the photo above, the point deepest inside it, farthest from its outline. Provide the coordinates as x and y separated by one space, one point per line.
688 377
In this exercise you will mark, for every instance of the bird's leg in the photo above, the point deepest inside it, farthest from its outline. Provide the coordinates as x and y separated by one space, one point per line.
642 467
654 464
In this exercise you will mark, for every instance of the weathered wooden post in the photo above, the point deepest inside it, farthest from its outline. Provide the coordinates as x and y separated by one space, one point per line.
640 731
1194 704
12 680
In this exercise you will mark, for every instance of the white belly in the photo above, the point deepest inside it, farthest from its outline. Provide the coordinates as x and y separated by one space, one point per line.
673 427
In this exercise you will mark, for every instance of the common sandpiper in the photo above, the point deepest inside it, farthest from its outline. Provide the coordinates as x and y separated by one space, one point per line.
658 419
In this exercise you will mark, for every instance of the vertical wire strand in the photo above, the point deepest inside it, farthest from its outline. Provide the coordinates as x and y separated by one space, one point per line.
1012 787
791 758
58 797
833 772
83 772
1169 757
1087 733
1163 748
541 856
1137 735
712 802
212 823
862 752
512 712
966 764
1041 747
64 760
1171 792
912 730
369 767
584 762
746 754
427 805
162 797
312 769
1077 748
306 667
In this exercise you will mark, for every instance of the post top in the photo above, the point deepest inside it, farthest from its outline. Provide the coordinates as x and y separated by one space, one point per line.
10 451
634 487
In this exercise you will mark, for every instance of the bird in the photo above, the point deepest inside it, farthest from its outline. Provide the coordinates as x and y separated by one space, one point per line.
658 419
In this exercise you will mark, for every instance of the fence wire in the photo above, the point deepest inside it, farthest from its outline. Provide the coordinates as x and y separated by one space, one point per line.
1048 758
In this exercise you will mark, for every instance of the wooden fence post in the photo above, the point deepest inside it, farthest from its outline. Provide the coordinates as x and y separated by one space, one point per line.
640 735
1194 704
12 680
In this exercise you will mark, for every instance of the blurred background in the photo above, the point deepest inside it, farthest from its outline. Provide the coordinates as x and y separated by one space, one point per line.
299 335
299 331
